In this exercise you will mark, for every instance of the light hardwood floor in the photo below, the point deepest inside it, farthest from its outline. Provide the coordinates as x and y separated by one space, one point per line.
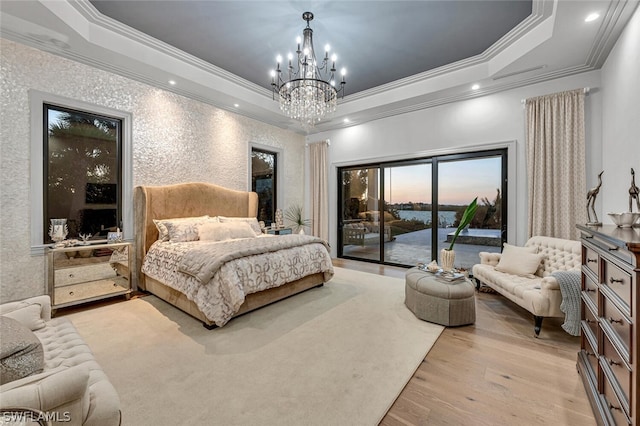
493 372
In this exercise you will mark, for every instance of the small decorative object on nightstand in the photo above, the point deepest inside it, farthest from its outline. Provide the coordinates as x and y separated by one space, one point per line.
99 271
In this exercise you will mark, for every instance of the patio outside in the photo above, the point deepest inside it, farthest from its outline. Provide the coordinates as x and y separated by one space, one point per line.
415 247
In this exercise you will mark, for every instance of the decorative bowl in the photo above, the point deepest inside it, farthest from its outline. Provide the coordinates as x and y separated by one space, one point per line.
624 220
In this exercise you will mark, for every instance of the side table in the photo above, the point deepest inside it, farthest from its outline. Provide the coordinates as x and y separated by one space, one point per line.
81 274
434 300
279 231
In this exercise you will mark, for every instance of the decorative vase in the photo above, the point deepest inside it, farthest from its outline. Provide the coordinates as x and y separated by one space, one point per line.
447 257
279 219
58 230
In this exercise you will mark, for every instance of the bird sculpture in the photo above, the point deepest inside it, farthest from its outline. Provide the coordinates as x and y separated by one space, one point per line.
591 201
634 192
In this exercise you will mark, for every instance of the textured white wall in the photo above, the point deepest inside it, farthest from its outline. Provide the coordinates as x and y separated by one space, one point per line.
465 125
621 120
175 139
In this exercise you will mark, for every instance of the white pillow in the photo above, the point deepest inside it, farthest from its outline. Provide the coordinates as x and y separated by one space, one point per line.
163 231
522 261
226 231
250 220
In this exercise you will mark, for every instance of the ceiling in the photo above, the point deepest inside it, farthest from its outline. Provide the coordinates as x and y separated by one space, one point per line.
400 56
244 37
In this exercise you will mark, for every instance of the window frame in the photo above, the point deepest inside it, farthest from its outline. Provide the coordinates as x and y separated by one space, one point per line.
279 156
37 101
505 151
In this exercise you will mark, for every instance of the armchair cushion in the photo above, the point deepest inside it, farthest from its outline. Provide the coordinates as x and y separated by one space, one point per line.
21 353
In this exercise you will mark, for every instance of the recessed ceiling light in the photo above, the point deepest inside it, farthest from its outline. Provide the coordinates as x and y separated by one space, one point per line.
346 120
172 82
592 17
236 105
475 87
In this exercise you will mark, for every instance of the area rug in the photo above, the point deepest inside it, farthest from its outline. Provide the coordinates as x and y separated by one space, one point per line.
335 355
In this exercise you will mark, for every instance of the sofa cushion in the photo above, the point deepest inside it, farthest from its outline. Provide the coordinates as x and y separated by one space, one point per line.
523 261
21 353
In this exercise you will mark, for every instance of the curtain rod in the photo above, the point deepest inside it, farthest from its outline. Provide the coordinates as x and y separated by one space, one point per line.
585 90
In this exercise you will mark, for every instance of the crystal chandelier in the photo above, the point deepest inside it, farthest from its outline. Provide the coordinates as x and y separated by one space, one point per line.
307 90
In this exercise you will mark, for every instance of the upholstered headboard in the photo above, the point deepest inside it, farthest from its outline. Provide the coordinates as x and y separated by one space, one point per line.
183 200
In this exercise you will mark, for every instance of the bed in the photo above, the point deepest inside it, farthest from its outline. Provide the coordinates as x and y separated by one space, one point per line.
198 293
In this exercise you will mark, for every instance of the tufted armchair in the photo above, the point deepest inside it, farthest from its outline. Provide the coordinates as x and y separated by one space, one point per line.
70 388
538 292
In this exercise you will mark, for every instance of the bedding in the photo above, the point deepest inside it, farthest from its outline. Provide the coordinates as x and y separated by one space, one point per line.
191 210
218 275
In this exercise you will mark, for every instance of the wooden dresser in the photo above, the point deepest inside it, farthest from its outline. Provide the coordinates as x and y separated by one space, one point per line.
608 358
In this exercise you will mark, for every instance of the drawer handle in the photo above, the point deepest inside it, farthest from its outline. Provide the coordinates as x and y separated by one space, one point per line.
71 275
612 248
592 260
613 407
591 290
611 320
612 362
587 353
589 321
616 280
588 236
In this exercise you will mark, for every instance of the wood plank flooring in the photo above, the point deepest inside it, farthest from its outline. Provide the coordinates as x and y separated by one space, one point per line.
493 372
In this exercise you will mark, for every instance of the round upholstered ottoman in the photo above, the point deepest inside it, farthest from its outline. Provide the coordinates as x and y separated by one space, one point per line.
438 301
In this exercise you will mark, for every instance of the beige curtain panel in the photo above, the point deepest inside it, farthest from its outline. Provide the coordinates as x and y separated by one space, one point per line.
556 164
319 179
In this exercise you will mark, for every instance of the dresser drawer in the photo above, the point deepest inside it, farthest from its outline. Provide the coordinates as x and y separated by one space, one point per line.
591 321
591 260
613 404
616 325
618 369
619 282
590 353
590 289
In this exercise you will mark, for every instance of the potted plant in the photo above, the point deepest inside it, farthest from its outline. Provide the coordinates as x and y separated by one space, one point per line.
293 214
447 255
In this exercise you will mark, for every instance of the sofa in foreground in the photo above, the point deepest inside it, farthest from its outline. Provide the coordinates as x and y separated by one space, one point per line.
524 274
46 366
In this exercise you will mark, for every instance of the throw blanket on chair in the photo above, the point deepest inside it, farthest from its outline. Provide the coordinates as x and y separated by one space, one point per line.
569 282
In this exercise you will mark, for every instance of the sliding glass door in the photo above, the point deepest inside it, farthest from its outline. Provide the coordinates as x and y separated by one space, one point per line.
459 181
359 232
403 213
407 196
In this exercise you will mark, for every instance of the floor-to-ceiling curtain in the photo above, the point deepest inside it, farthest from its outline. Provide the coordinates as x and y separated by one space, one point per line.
556 164
319 179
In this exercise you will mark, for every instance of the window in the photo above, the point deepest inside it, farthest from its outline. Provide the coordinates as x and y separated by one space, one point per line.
404 212
82 172
264 172
81 168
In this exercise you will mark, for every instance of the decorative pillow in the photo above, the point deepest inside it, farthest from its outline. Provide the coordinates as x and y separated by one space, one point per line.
250 220
519 260
163 230
21 353
226 231
29 315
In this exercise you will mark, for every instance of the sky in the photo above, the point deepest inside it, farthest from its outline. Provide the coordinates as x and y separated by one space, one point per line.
460 181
